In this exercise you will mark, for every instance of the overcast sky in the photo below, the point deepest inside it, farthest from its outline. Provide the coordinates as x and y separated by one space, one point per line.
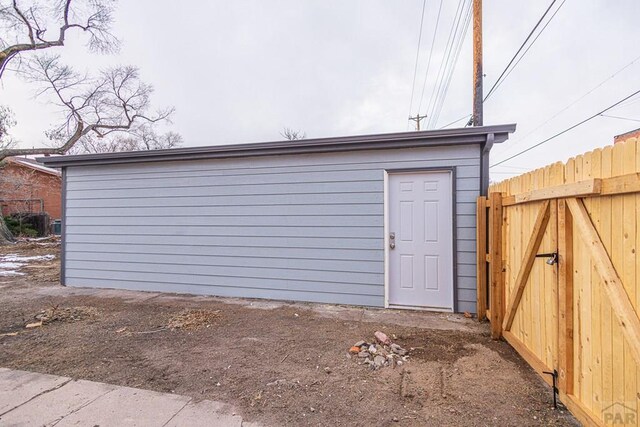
241 71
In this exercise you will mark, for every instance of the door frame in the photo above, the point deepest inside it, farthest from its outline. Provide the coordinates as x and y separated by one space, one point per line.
451 170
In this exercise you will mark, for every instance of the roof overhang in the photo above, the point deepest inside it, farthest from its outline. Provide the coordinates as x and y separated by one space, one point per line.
462 136
34 166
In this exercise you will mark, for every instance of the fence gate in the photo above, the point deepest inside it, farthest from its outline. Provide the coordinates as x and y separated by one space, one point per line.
558 277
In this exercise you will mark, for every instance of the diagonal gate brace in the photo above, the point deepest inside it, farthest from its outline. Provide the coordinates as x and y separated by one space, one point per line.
540 226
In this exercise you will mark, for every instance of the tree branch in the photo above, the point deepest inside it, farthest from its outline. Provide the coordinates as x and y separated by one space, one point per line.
97 24
116 101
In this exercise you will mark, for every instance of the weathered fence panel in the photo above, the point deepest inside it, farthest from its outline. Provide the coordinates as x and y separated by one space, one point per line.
563 277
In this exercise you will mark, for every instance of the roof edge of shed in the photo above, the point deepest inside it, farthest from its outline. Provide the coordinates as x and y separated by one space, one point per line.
458 136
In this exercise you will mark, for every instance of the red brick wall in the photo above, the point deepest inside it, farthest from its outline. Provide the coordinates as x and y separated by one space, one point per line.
22 182
626 136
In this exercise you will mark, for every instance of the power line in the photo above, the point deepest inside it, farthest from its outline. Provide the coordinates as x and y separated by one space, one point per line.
466 116
498 84
620 118
446 63
631 102
458 49
519 50
415 68
598 86
451 60
445 55
567 129
433 42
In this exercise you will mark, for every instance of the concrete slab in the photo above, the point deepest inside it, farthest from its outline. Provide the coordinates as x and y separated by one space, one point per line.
424 319
126 406
46 400
410 318
51 407
18 387
217 415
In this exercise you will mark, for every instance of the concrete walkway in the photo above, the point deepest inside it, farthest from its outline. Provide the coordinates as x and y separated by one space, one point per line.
28 399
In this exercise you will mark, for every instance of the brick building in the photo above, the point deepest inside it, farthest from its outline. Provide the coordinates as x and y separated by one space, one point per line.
27 186
627 135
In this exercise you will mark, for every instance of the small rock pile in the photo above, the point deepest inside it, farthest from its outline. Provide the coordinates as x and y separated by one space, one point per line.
380 353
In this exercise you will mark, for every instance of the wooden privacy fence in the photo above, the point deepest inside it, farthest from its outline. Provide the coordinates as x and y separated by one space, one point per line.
558 275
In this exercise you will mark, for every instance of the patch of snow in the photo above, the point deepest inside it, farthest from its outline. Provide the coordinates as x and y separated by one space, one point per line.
23 259
12 262
6 273
10 265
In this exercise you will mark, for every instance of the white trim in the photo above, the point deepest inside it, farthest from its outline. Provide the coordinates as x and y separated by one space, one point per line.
449 172
38 167
386 237
454 234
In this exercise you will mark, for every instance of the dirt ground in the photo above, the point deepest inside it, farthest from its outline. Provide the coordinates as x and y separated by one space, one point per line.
277 363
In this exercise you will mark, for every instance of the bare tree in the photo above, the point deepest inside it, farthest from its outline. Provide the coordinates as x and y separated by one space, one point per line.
6 122
25 25
139 140
115 101
115 104
292 134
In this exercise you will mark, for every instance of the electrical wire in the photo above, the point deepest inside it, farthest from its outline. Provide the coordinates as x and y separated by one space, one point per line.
442 63
497 86
518 51
566 130
598 86
620 118
448 67
415 68
631 102
458 49
466 116
433 43
445 64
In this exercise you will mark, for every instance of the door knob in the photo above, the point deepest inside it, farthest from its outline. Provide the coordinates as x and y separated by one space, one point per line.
392 240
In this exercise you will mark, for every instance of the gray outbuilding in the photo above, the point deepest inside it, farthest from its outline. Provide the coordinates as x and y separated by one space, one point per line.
378 220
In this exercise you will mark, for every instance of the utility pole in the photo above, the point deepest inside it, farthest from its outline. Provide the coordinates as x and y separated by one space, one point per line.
477 63
417 119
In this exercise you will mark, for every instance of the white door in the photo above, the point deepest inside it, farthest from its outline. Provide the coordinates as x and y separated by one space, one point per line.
421 240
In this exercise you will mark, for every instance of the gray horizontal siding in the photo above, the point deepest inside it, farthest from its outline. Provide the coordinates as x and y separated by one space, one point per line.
227 241
231 251
255 220
299 227
232 200
338 265
233 231
438 156
227 291
234 275
362 209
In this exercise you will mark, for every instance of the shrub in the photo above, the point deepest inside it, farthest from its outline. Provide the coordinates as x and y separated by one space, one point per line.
18 228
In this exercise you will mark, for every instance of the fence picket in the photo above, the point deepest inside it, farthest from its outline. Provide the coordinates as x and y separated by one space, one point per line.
629 273
565 320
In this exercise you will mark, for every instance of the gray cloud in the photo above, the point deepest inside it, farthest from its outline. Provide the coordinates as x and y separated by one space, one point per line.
240 71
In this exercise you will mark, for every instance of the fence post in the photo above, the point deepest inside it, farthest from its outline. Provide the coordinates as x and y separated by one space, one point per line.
481 252
496 303
565 298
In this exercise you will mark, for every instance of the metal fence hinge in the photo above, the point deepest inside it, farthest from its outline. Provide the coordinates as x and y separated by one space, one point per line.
554 375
